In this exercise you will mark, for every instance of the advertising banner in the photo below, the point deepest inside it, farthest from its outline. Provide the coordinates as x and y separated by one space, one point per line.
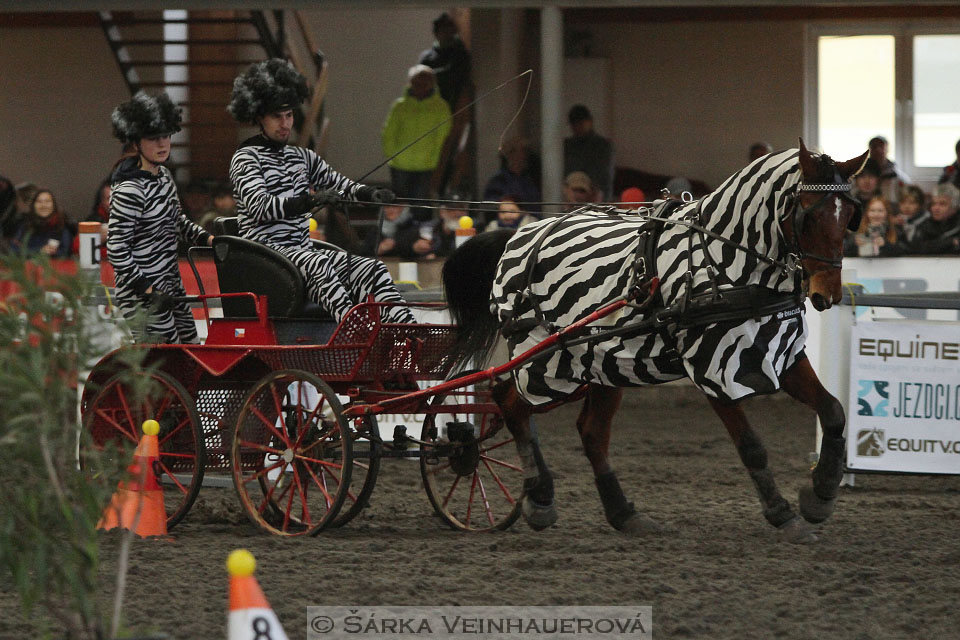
904 409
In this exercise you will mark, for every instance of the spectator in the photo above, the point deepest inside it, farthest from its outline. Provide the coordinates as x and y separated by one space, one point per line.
951 173
514 178
44 228
758 150
8 210
438 238
941 232
509 215
99 212
676 187
449 60
223 205
891 177
398 233
412 115
588 151
878 234
632 198
866 184
577 190
912 210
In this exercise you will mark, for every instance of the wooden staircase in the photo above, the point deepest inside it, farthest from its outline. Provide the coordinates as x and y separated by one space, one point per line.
194 56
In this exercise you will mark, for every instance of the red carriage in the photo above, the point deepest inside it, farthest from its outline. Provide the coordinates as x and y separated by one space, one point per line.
286 404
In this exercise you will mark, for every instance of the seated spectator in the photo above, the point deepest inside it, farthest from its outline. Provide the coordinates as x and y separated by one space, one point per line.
99 212
398 232
941 232
912 211
44 228
223 205
878 234
509 215
758 150
676 187
951 173
632 198
890 175
514 177
438 238
8 210
866 184
578 190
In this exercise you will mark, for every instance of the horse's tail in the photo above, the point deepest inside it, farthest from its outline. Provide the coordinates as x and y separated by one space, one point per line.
467 281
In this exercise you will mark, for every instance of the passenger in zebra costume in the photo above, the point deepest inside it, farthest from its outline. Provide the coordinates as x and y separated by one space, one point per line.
145 221
272 183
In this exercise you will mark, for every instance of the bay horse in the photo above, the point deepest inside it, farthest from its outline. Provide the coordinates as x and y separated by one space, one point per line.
724 279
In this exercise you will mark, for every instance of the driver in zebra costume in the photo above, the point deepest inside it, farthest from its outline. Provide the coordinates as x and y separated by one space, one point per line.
145 221
277 185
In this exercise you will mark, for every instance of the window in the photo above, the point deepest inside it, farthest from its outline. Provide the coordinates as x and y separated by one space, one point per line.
897 81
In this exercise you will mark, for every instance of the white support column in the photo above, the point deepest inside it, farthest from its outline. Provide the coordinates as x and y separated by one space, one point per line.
551 92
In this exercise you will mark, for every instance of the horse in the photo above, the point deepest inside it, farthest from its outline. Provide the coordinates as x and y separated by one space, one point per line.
722 282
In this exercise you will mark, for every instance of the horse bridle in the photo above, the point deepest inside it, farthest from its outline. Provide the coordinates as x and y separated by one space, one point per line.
841 188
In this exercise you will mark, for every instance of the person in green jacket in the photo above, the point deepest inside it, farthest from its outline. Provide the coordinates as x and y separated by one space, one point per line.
417 111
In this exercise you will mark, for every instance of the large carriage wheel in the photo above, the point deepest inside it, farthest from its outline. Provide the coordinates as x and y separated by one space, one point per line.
116 415
365 450
291 456
469 462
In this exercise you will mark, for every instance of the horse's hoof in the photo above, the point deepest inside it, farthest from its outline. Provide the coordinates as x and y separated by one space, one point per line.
639 524
813 508
538 516
797 531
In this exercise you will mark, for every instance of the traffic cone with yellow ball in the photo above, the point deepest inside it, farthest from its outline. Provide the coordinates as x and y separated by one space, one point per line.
250 616
137 503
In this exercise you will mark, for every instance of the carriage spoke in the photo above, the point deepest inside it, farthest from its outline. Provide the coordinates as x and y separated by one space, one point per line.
496 478
170 454
473 488
486 503
170 475
260 447
304 509
453 488
109 420
269 495
269 424
135 430
163 406
322 485
496 446
286 512
261 472
176 430
502 463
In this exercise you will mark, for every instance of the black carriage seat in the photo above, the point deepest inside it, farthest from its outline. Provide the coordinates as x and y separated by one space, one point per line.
245 265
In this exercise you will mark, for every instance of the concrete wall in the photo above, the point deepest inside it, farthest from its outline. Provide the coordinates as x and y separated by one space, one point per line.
58 87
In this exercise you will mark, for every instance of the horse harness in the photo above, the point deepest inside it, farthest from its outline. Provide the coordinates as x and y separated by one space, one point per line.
733 303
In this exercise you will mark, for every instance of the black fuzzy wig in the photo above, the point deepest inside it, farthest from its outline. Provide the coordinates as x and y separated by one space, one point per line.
145 116
266 87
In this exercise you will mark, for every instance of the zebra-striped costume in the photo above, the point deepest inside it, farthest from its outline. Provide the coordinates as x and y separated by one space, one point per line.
265 176
586 261
145 221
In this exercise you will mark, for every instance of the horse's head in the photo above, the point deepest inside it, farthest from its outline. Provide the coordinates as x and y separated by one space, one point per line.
815 224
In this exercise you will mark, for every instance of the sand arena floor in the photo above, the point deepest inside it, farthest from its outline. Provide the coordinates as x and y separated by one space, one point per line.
886 564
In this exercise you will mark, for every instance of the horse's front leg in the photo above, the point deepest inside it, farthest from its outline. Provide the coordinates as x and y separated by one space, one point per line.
537 503
594 424
753 454
801 382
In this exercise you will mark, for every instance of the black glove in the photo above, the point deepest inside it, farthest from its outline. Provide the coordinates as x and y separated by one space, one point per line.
160 301
297 207
326 198
366 193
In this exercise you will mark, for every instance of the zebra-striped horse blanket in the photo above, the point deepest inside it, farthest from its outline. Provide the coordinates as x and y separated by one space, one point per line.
585 262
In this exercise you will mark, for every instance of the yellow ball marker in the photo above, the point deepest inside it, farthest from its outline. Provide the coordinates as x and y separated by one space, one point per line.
313 224
151 427
466 222
241 563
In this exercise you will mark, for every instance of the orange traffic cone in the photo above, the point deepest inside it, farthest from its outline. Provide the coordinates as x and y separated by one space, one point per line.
138 502
250 615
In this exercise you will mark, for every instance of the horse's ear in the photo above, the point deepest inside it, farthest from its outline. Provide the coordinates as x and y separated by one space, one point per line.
853 166
807 163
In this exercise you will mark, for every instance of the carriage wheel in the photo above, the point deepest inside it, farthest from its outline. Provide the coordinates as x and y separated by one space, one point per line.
469 462
290 459
116 414
365 451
